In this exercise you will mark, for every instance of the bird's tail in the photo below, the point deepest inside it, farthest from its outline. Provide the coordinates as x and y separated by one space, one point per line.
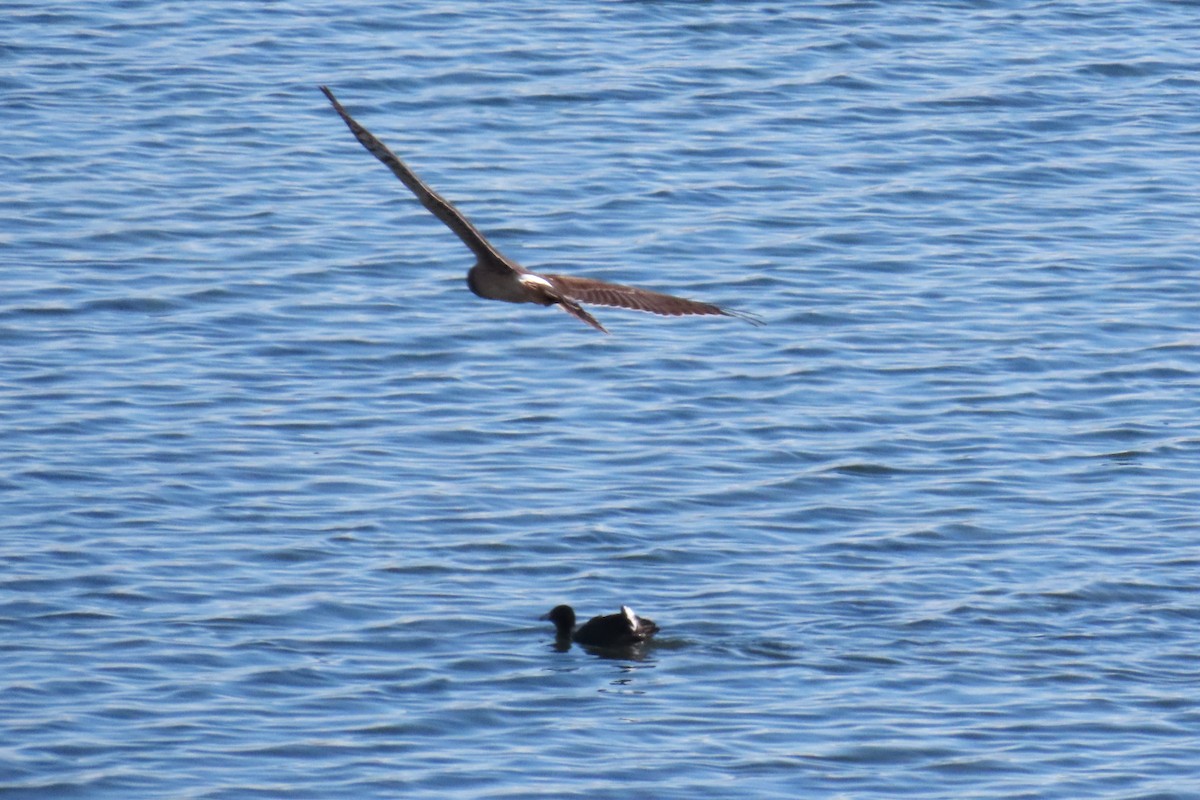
580 313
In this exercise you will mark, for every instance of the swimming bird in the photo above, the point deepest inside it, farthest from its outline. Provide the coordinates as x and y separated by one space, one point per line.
497 277
611 630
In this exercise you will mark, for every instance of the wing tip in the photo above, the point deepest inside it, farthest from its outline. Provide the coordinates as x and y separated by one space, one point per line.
745 316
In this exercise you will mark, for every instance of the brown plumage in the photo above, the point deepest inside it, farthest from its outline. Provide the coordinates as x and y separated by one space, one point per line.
497 277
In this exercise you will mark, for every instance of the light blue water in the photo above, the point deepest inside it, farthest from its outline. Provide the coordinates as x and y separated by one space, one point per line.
282 501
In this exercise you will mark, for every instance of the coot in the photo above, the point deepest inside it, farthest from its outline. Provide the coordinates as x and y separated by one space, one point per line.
610 630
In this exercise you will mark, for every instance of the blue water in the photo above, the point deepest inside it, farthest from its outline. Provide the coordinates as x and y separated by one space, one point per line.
282 501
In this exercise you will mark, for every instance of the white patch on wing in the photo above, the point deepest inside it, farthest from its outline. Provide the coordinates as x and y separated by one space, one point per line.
529 278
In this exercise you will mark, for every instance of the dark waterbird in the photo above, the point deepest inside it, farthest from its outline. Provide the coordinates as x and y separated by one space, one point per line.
610 630
497 277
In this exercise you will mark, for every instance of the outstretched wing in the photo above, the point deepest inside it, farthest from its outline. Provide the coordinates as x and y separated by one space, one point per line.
601 293
450 216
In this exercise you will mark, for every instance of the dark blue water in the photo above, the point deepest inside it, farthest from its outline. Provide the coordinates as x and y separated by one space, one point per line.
282 501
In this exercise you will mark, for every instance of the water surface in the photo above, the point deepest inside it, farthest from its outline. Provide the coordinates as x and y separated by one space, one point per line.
283 500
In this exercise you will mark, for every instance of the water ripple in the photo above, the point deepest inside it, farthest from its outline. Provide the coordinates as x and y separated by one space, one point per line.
284 501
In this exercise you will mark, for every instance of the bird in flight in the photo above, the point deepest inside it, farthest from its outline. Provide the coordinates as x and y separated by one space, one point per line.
497 277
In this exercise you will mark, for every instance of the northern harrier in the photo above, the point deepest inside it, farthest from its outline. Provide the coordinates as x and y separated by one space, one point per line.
496 277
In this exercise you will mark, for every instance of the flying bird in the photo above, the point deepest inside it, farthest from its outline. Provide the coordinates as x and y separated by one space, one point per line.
497 277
